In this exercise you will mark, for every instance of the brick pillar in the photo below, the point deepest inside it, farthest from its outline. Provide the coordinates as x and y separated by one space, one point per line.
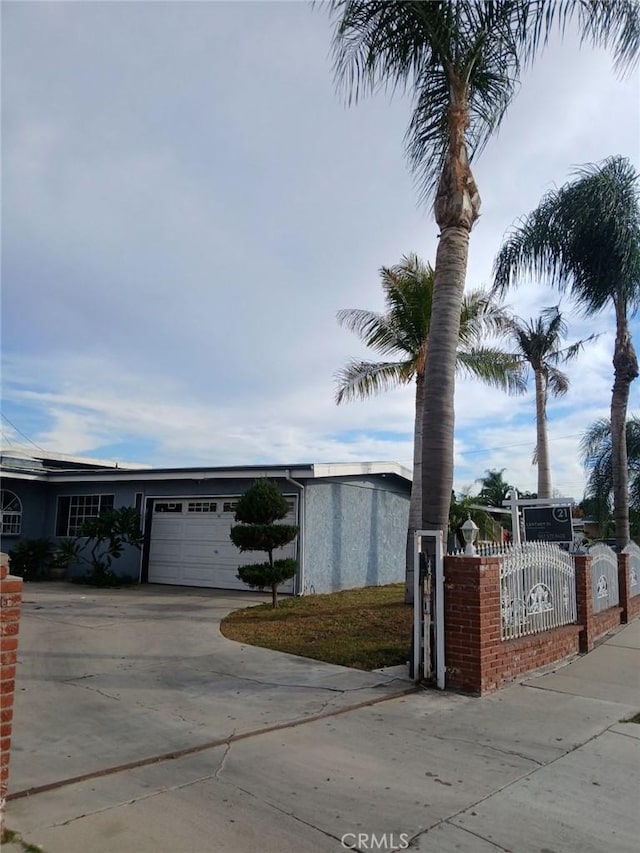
10 601
584 601
624 585
472 622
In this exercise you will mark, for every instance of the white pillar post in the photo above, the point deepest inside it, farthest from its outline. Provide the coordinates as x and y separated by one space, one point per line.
515 516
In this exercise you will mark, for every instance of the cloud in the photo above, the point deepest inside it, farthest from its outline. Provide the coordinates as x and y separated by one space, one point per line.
187 203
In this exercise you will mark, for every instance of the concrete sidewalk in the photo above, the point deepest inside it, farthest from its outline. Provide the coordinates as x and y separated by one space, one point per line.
541 766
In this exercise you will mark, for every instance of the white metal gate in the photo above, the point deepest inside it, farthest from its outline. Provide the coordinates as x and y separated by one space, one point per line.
428 607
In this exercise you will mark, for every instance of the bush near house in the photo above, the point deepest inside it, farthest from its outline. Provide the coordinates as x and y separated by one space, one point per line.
258 510
100 541
33 559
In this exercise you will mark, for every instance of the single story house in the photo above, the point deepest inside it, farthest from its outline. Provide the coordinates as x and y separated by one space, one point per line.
352 517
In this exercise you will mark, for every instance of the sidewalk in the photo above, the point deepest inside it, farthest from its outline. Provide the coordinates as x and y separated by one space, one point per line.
545 765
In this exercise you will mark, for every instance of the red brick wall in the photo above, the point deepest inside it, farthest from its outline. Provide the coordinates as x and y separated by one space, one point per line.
633 607
517 657
472 619
629 604
476 658
603 622
10 602
595 625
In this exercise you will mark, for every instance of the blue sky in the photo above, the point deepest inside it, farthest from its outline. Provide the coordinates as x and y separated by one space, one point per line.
187 203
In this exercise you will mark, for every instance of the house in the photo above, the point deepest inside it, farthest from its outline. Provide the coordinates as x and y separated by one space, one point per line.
352 517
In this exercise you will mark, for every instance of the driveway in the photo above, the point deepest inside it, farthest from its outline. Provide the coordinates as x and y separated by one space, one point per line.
115 677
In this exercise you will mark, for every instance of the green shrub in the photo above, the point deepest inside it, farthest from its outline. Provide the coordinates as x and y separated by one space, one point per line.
101 540
33 559
258 509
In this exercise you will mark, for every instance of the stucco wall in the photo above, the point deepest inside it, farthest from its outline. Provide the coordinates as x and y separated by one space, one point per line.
33 498
355 534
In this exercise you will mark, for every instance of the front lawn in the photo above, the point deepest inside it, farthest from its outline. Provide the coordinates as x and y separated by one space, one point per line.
364 628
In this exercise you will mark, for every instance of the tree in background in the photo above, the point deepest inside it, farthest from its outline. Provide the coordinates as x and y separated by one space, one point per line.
460 61
402 333
585 237
597 454
258 509
493 488
538 345
464 506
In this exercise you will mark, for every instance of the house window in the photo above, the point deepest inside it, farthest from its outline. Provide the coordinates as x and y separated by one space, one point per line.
11 513
75 510
229 506
167 507
202 506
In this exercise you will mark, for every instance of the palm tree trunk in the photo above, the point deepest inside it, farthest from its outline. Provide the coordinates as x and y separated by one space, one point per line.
542 438
625 365
456 208
415 505
438 418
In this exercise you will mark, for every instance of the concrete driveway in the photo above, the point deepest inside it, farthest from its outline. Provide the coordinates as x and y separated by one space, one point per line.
114 677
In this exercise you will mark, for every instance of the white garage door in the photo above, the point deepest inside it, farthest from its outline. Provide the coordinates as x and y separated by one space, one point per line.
190 544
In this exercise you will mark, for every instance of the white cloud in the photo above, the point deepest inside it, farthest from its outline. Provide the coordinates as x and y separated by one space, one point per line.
186 205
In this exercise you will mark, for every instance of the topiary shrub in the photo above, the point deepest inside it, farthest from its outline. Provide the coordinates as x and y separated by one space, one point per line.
258 510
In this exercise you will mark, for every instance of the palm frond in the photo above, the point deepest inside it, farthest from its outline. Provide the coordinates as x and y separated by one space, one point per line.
584 237
537 342
596 453
594 440
402 330
481 316
557 382
493 367
362 379
425 46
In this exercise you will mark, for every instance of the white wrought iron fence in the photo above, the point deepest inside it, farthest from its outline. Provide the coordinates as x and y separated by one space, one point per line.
604 577
537 588
634 567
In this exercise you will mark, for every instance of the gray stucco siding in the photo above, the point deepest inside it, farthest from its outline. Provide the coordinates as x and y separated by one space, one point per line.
355 535
354 526
130 563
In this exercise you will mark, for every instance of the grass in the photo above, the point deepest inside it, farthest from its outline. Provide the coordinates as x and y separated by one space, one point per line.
363 628
634 719
9 836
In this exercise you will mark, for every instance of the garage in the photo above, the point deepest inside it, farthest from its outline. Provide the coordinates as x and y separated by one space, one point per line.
190 546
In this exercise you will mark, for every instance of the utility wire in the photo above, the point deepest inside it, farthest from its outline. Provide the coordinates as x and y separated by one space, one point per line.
19 431
521 444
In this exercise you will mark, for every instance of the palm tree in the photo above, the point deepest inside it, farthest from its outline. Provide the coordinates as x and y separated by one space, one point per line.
403 333
537 345
461 61
597 456
494 488
464 506
585 237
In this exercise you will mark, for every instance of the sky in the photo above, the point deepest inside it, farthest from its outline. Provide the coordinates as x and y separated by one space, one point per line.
187 202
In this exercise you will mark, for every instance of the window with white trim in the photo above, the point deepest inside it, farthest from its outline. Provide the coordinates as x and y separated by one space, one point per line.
11 513
74 510
165 506
202 506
